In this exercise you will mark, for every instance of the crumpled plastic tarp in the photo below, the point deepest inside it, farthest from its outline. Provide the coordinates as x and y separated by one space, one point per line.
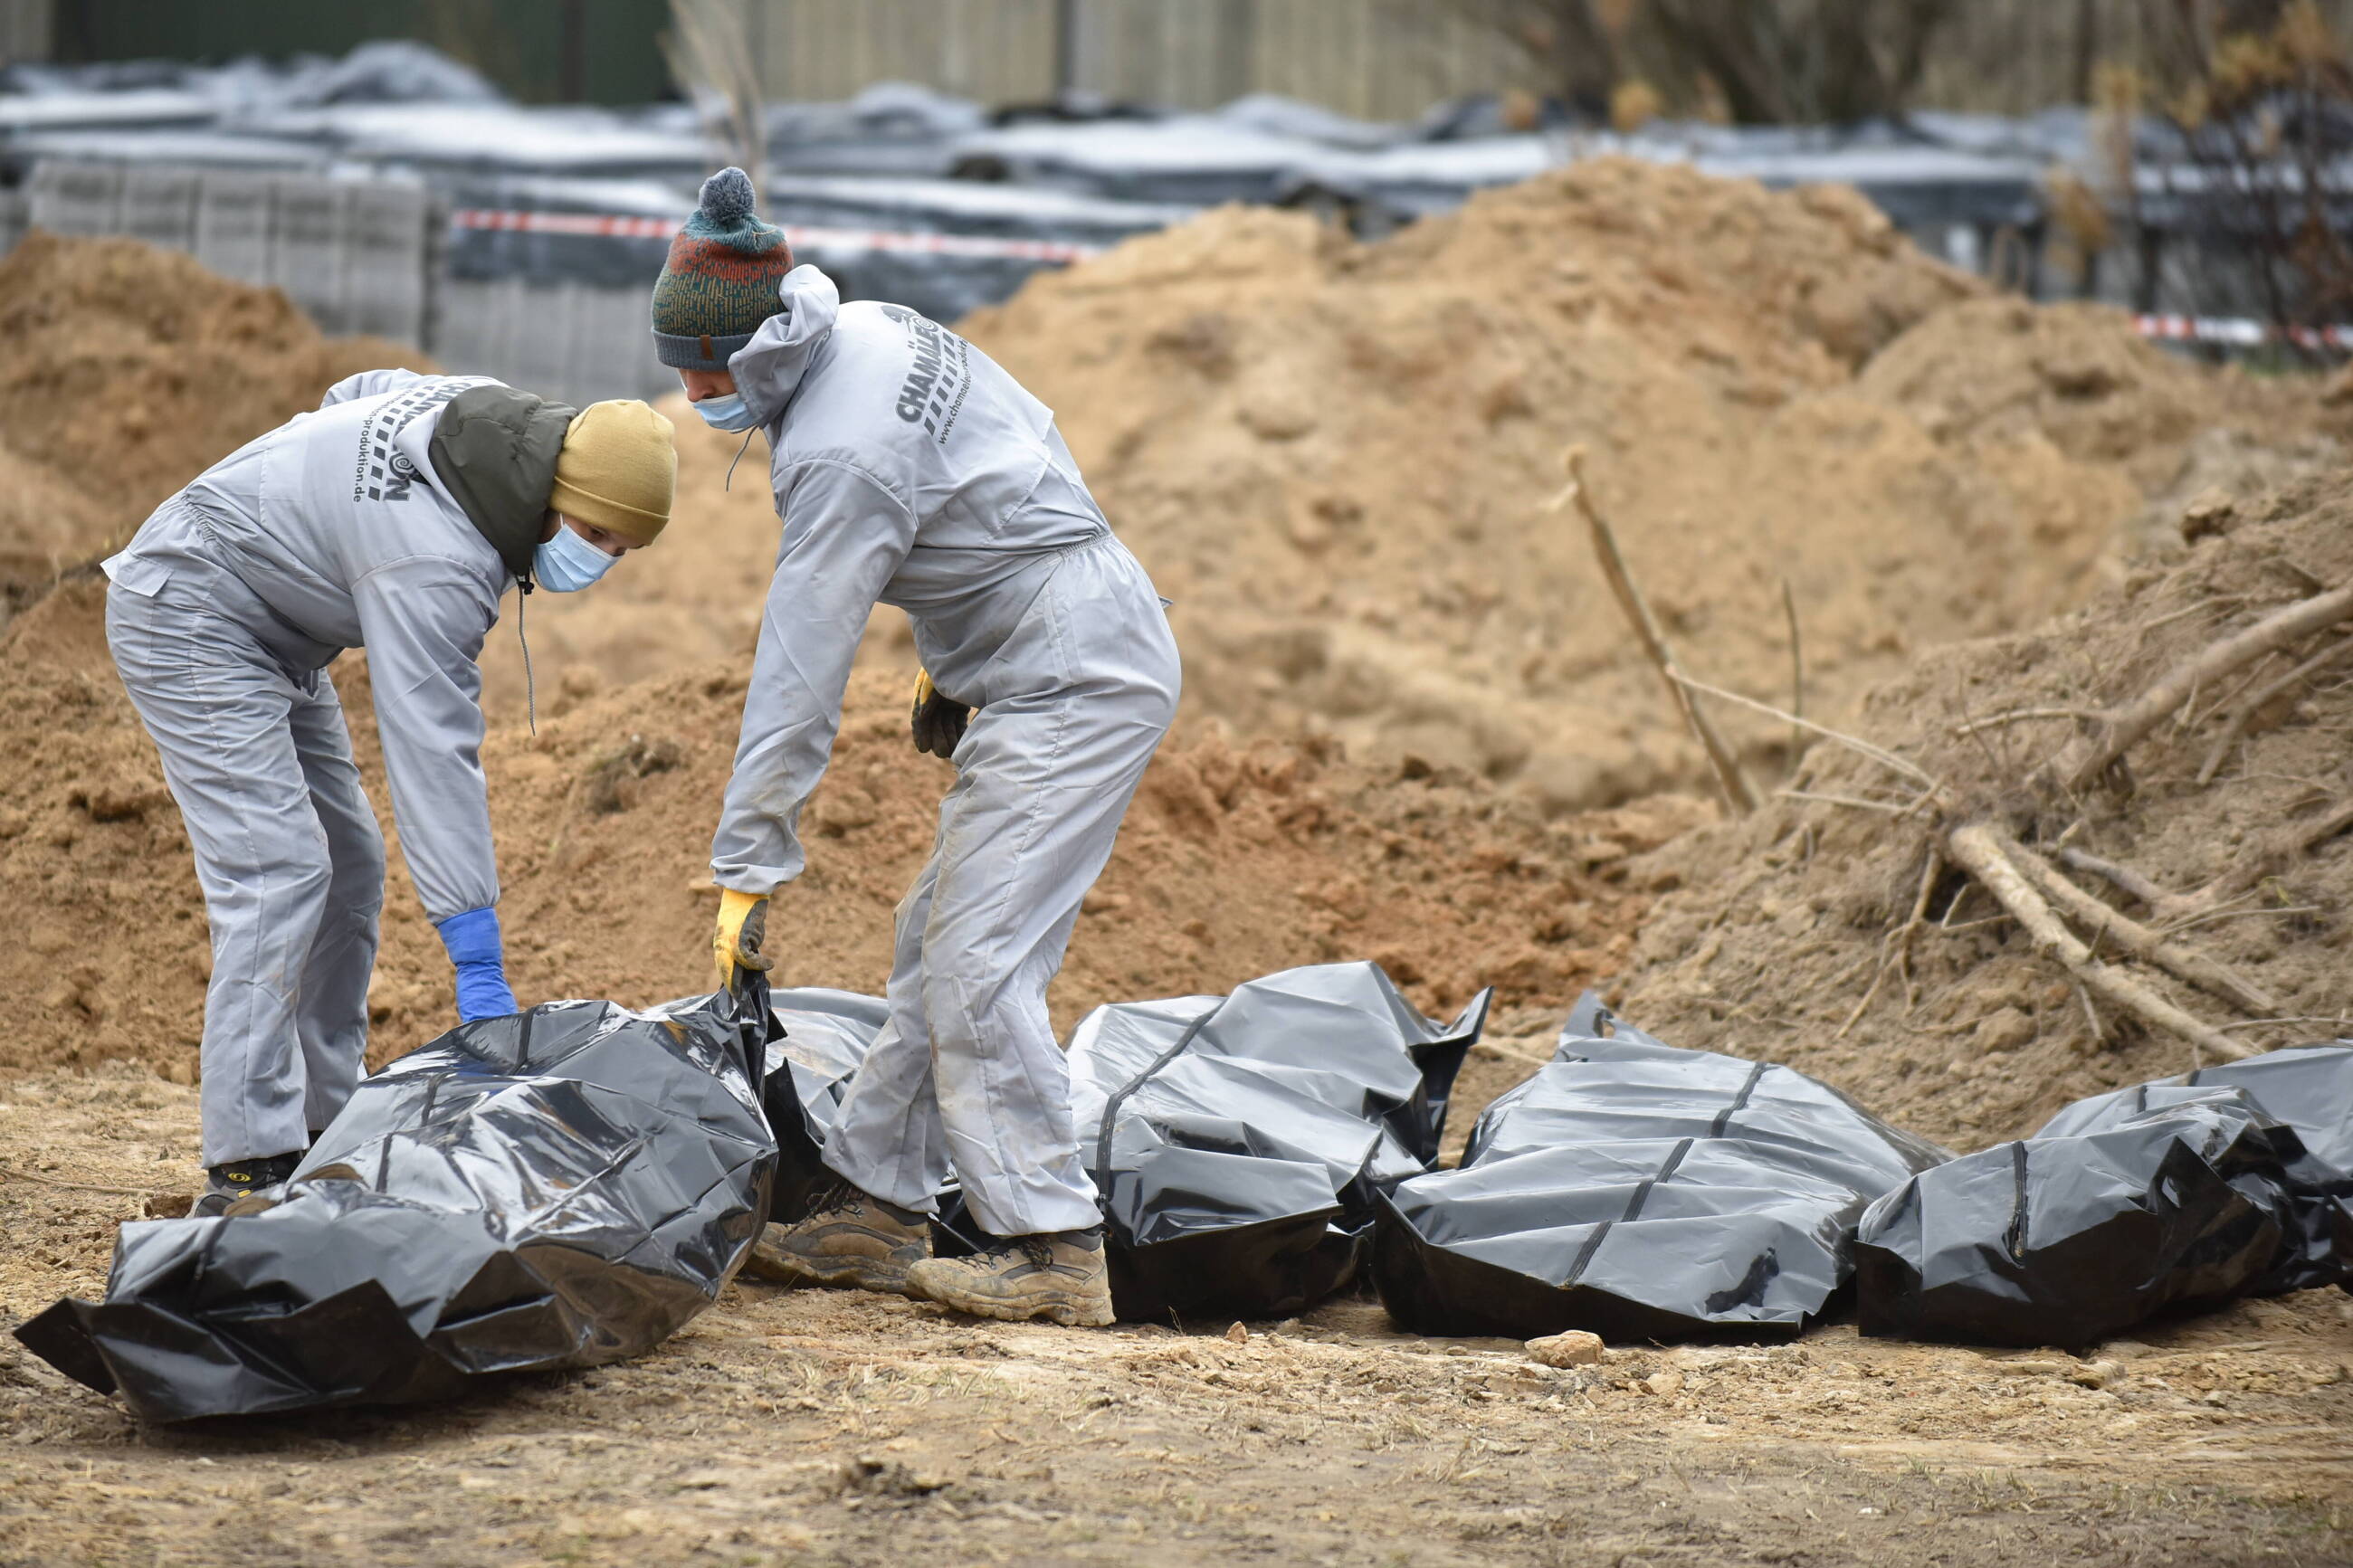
818 1040
559 1188
1642 1191
1240 1142
2175 1195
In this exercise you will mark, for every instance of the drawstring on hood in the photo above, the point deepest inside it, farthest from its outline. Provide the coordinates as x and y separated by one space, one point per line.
738 457
769 368
495 450
523 586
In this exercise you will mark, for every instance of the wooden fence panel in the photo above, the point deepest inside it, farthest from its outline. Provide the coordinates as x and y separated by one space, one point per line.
1381 59
1386 59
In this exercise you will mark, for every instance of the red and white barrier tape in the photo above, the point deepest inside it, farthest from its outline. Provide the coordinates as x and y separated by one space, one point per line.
606 227
2239 331
2235 331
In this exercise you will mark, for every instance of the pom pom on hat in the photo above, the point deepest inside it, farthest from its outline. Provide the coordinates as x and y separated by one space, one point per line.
726 196
723 278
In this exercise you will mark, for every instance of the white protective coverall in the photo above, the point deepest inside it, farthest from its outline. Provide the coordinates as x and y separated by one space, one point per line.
912 471
331 532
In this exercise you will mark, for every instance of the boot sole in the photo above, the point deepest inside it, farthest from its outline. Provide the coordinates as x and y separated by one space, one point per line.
1066 1311
778 1270
1067 1315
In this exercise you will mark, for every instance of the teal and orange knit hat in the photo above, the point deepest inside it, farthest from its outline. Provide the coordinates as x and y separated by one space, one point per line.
720 282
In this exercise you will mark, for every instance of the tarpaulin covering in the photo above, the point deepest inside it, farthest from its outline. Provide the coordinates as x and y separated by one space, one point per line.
1240 1142
558 1188
2178 1195
1642 1191
818 1040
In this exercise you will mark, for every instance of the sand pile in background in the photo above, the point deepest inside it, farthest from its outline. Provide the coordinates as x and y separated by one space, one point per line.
1235 862
125 371
1335 457
1778 934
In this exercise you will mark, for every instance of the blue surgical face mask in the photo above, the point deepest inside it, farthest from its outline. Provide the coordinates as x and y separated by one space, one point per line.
727 413
567 562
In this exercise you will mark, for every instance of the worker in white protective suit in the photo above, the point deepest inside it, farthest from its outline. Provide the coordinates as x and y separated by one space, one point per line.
392 517
910 471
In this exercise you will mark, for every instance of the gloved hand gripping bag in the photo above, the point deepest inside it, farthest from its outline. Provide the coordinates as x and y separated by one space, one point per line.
1642 1191
1239 1144
2178 1195
553 1189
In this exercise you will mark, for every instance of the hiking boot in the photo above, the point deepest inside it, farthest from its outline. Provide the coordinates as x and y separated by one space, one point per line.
238 1181
1060 1275
851 1239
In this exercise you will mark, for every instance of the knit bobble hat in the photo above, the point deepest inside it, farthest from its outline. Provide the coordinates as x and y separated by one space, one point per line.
720 282
617 469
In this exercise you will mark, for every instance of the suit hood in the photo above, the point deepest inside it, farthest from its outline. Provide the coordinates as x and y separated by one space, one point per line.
768 369
494 450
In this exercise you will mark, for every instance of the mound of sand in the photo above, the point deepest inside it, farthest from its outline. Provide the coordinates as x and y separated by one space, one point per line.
1783 919
124 371
1335 457
1237 860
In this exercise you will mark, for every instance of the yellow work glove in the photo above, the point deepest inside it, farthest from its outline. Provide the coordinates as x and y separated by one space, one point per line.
938 722
742 922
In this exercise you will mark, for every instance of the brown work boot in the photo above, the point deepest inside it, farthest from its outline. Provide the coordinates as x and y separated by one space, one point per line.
851 1239
1060 1275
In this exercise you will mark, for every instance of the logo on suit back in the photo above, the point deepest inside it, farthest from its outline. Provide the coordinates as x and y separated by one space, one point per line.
380 473
934 392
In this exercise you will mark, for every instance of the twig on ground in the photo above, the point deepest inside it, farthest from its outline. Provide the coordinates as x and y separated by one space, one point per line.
2105 921
1977 848
2276 856
2086 757
1877 755
2018 716
1897 944
11 1172
1928 875
2215 917
1797 672
1739 794
2244 712
2091 1015
2301 1018
2217 602
1890 807
2126 879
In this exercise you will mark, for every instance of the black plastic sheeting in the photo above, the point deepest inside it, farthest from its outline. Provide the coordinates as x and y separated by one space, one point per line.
2175 1195
1241 1143
559 1188
818 1041
1643 1193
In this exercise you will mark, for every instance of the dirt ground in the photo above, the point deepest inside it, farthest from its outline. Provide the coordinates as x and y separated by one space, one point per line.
824 1427
1405 692
1777 927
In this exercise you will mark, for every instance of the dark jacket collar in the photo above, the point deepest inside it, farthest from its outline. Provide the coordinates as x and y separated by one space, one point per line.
494 450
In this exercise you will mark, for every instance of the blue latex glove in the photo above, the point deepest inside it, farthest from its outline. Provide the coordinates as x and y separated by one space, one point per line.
472 939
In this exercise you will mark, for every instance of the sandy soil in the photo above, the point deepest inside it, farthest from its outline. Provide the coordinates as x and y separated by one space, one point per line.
1403 683
1779 924
832 1428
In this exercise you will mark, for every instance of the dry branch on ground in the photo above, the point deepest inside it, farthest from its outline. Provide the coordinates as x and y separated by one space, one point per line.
1992 857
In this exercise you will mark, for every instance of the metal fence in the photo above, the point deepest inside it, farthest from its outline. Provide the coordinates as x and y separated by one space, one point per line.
357 255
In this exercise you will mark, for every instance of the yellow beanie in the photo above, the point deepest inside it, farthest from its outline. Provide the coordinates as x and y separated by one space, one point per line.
617 469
